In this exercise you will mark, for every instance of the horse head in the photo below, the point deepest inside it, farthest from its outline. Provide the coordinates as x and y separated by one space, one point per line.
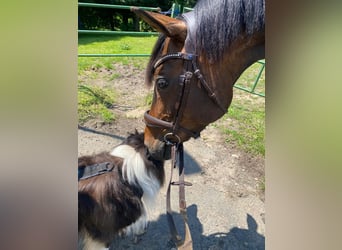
191 89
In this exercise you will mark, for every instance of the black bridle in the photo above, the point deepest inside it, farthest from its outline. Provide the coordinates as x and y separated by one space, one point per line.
190 69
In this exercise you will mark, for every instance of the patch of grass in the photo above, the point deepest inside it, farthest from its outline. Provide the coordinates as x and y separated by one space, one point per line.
94 102
90 44
247 127
114 76
125 46
246 115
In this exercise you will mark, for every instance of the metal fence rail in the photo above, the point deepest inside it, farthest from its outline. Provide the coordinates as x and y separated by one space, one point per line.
114 55
134 33
108 32
252 88
112 6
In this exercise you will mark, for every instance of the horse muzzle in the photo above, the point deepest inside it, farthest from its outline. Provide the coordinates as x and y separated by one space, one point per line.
159 150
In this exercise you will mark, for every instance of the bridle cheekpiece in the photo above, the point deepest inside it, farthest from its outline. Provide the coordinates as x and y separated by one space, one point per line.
190 68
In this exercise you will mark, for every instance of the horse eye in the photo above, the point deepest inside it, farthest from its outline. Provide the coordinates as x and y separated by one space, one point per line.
162 83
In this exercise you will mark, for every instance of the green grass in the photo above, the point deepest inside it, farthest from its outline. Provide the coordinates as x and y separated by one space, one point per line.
89 44
247 128
247 115
94 102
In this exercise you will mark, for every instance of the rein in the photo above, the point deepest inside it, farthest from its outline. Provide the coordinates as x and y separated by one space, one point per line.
186 244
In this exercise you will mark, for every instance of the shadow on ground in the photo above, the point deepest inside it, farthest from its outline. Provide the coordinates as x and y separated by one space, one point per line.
157 236
90 130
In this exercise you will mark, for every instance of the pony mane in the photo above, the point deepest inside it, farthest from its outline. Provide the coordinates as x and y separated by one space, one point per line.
231 18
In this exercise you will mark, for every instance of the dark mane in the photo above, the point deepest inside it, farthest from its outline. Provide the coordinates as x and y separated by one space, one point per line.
219 22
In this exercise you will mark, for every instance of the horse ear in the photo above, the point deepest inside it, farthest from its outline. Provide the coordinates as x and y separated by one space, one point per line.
171 27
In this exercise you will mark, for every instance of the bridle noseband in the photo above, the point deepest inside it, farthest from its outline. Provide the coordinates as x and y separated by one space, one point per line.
190 69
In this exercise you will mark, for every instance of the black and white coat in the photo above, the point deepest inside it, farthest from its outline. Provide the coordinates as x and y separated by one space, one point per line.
117 202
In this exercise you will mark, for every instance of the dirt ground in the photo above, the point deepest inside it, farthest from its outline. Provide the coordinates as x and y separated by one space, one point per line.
225 203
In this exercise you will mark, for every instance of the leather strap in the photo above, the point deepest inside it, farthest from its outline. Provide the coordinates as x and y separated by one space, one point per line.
178 55
180 105
94 170
177 239
186 244
183 98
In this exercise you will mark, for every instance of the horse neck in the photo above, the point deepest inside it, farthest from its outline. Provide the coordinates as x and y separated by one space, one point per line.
238 57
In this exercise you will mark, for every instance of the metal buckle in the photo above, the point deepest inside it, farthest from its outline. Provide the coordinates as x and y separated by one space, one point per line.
169 136
188 75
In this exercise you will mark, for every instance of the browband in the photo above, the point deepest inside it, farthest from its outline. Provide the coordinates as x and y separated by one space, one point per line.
178 55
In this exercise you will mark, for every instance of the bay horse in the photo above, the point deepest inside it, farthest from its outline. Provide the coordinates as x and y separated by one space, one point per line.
194 64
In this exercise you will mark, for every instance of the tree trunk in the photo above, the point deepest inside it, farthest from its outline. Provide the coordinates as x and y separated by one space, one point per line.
136 23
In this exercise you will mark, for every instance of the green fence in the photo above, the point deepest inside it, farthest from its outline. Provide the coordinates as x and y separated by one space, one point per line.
249 89
107 32
111 6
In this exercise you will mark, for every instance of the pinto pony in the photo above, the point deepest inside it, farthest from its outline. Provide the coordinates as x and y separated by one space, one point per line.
115 191
194 65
